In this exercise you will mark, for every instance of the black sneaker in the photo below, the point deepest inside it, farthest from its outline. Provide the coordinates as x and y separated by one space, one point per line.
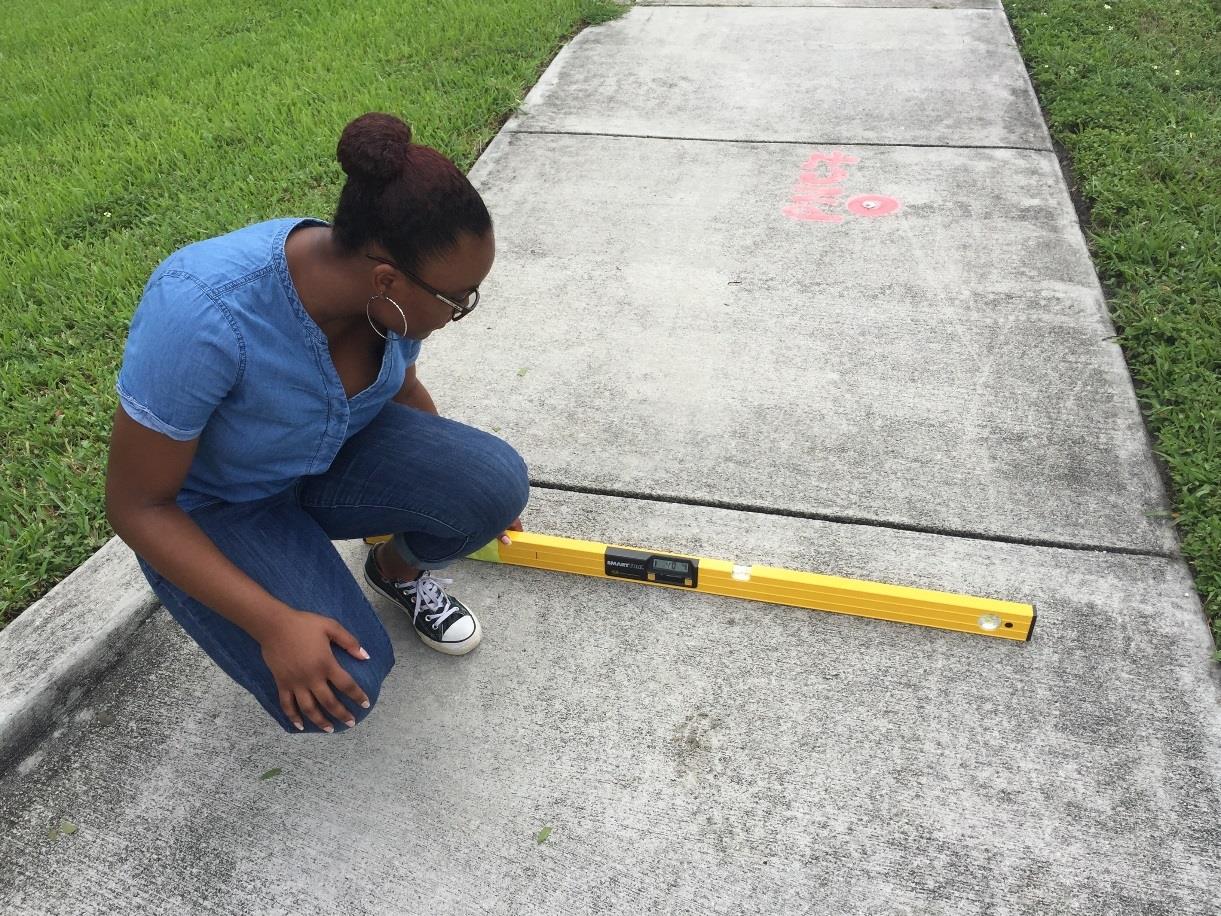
443 623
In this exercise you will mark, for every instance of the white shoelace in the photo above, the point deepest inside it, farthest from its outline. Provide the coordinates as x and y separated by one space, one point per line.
430 594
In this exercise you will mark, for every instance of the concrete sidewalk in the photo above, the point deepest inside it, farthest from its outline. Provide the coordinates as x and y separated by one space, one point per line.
798 284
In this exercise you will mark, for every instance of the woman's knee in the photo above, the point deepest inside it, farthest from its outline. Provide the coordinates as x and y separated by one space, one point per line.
371 672
503 482
368 675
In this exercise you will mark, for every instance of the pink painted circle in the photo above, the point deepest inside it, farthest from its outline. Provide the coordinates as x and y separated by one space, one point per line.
872 205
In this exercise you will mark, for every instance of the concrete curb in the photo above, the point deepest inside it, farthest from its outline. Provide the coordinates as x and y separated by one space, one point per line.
62 643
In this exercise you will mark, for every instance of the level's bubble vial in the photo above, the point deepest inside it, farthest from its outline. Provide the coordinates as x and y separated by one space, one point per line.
989 622
741 573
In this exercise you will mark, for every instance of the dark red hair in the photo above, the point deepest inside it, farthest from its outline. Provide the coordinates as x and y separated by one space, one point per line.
408 198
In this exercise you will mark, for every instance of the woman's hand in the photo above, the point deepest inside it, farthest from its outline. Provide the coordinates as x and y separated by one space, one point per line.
298 652
516 526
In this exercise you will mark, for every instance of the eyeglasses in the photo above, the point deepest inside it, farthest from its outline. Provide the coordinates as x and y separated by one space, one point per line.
460 309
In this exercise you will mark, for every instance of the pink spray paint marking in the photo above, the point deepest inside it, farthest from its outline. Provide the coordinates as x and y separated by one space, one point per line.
872 205
817 192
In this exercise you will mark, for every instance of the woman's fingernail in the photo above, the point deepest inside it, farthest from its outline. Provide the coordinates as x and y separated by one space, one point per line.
504 539
300 727
351 723
363 654
364 705
328 729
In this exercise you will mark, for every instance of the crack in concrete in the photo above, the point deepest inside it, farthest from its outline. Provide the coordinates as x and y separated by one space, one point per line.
855 520
818 142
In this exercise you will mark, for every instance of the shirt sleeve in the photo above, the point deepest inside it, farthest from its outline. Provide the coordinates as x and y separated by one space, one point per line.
183 356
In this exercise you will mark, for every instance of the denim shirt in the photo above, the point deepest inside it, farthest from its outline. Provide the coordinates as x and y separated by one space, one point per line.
222 349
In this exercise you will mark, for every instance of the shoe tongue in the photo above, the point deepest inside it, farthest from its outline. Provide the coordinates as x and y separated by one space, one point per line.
432 593
414 580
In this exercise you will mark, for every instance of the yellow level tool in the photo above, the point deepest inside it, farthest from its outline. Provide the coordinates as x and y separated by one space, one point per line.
944 610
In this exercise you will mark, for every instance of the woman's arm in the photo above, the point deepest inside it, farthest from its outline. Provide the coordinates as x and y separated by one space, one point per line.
145 472
414 394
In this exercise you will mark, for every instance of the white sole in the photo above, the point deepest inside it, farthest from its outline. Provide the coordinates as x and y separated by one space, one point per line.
454 648
446 648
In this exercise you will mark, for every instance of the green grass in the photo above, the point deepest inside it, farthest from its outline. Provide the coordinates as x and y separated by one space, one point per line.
1132 89
128 130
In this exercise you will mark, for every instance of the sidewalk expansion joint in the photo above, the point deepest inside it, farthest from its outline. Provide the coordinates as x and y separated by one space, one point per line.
821 142
861 521
789 6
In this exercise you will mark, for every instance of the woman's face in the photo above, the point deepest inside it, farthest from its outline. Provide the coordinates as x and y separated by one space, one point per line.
454 273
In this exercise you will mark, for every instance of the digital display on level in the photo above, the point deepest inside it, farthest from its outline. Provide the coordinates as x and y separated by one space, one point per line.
681 567
626 563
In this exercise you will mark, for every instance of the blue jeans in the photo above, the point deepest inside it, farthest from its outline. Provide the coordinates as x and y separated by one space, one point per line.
441 488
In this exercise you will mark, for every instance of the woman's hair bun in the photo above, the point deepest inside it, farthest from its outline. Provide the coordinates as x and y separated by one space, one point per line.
374 147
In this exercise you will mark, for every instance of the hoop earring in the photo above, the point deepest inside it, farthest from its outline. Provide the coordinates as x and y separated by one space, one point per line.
370 317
